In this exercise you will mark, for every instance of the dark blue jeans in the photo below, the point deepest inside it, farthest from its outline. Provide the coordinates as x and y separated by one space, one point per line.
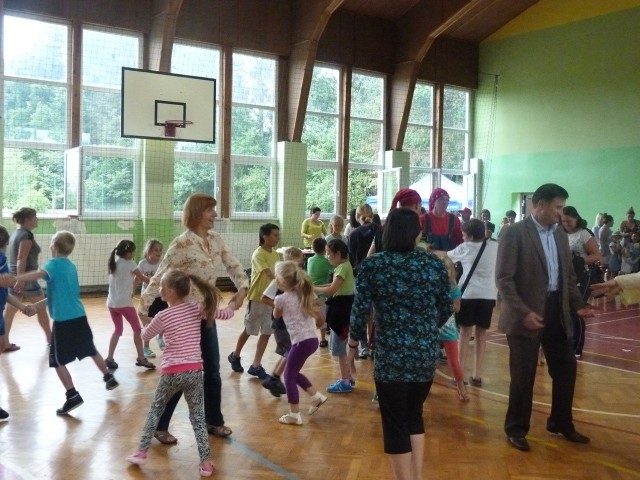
212 382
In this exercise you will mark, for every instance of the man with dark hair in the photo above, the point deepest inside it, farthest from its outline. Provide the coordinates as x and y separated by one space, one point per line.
537 285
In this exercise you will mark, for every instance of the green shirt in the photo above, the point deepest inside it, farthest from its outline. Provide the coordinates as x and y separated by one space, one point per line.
313 229
319 269
345 271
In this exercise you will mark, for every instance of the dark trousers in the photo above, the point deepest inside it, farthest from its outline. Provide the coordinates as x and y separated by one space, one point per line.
523 360
212 382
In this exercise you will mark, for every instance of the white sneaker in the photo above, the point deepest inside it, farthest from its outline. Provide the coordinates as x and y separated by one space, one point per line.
317 400
291 419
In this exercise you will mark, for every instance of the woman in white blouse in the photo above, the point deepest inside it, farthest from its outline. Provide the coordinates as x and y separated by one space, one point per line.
200 251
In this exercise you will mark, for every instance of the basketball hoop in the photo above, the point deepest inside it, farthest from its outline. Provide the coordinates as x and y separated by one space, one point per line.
170 126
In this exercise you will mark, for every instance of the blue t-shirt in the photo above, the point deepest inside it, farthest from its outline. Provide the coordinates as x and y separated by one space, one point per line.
4 291
63 289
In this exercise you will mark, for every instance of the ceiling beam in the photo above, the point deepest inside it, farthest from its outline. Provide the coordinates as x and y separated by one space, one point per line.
163 32
311 18
417 31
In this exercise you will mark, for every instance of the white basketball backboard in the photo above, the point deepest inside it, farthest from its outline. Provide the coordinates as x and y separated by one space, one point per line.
150 99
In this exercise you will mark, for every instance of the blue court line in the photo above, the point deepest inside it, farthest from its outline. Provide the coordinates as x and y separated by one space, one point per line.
247 451
262 460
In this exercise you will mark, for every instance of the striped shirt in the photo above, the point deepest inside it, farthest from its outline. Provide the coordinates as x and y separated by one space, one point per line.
180 326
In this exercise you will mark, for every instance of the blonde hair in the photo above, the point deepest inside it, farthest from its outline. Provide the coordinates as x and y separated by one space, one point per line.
293 254
332 222
64 242
448 263
150 245
290 274
364 213
181 283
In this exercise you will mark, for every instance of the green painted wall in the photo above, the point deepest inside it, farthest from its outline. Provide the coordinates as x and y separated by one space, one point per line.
568 111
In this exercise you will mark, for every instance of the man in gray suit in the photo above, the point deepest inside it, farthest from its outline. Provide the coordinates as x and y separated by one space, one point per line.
537 285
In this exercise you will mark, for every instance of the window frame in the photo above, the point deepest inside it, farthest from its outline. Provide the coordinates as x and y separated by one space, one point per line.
66 84
242 160
326 164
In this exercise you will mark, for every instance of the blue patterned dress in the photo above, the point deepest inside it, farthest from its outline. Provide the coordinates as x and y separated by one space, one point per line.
410 293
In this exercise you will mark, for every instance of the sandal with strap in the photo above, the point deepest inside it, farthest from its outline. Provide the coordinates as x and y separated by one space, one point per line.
463 395
164 437
221 431
145 363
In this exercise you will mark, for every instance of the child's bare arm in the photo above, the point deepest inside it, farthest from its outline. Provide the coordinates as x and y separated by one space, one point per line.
18 304
7 280
332 288
31 276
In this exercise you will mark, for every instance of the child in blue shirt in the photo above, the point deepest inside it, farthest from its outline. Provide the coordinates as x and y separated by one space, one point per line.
71 335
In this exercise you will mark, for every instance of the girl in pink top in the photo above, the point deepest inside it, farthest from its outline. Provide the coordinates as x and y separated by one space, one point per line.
181 367
302 314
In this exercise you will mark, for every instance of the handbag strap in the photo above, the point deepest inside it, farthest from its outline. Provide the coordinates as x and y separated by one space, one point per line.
473 267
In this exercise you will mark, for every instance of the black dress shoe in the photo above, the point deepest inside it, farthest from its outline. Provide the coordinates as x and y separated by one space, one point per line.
572 436
519 442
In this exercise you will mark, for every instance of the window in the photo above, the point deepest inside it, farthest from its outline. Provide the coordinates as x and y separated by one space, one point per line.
36 96
253 134
455 129
196 164
321 135
366 138
418 140
108 160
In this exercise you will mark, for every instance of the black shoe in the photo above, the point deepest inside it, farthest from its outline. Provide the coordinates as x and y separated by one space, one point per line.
74 402
475 382
520 443
236 366
111 364
572 435
109 381
4 415
274 385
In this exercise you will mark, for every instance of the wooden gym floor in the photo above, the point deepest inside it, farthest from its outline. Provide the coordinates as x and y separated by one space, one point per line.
341 441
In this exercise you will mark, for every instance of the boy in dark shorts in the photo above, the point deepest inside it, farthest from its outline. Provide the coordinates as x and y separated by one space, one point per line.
71 336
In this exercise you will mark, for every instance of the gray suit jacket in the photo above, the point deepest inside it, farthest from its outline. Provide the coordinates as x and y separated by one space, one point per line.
522 278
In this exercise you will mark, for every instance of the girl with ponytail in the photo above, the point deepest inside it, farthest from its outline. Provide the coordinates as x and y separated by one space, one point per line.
302 314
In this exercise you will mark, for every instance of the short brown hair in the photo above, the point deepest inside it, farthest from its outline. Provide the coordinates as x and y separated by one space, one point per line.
194 207
64 242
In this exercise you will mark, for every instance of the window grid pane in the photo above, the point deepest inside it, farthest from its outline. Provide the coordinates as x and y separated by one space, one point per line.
35 49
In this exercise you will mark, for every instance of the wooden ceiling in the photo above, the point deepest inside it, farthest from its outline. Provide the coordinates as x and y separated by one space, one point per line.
475 19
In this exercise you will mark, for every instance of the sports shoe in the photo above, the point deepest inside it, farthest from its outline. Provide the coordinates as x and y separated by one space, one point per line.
149 353
291 419
340 387
363 352
475 382
236 366
73 402
145 363
258 372
110 381
111 364
138 458
4 415
317 400
274 385
206 469
161 342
